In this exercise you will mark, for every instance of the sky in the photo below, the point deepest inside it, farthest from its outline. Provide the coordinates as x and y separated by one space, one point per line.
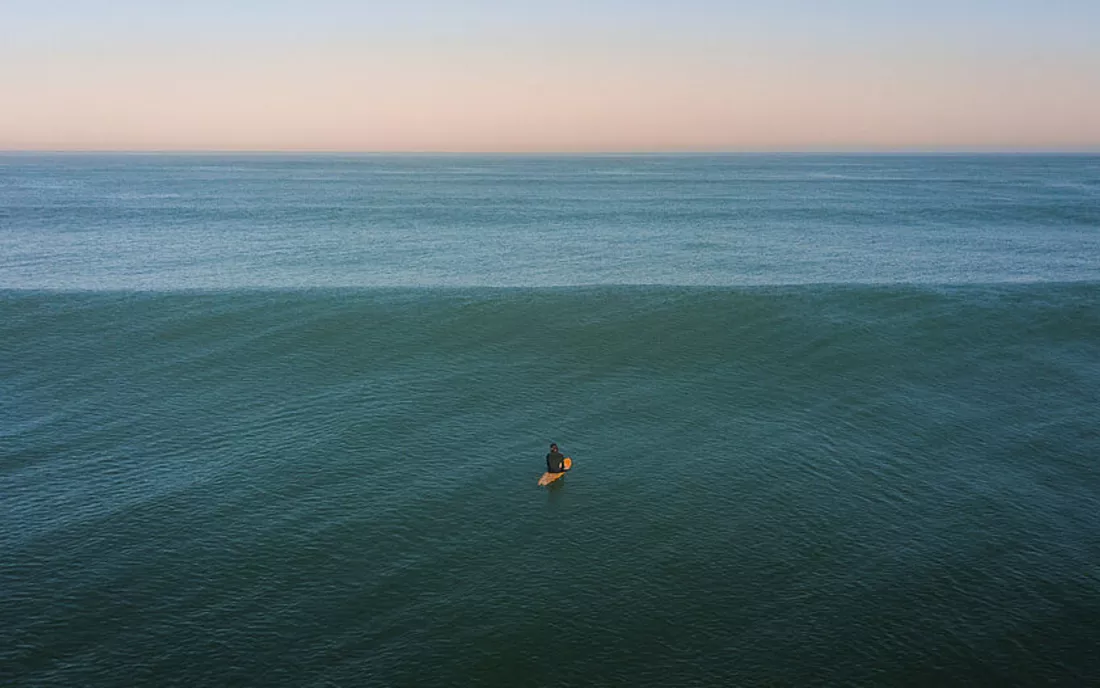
562 76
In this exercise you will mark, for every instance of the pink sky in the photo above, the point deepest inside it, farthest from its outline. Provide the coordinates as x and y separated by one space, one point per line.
545 91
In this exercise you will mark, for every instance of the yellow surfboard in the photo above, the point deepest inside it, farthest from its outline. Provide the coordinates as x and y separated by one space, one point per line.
548 478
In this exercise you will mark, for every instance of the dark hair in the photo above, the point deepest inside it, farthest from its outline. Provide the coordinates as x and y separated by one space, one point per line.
553 445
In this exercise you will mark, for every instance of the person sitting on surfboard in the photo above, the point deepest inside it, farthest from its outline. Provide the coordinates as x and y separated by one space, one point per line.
555 460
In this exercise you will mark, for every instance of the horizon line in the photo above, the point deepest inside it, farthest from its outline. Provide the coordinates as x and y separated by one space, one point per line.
1089 150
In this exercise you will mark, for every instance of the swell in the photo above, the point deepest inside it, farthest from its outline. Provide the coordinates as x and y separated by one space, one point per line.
129 342
84 336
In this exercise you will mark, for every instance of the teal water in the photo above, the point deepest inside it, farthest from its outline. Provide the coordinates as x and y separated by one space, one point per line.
278 421
153 222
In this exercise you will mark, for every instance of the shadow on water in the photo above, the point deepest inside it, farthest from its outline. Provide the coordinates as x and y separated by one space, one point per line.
556 490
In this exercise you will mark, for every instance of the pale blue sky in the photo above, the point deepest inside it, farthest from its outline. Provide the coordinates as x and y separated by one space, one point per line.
461 70
1054 23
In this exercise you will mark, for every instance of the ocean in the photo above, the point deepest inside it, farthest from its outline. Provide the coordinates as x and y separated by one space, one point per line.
277 420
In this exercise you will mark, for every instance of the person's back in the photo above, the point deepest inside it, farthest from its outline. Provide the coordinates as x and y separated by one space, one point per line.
555 460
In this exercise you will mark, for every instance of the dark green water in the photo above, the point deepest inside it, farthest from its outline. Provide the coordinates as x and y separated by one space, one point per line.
797 485
277 421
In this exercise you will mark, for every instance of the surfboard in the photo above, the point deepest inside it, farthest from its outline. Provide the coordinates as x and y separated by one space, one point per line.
548 478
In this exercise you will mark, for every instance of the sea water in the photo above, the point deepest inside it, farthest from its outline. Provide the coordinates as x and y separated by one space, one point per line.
277 420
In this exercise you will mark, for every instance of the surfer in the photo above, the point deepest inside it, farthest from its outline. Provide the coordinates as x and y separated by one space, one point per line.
555 461
556 466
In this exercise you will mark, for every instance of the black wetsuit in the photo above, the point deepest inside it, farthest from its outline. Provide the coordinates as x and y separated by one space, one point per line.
554 462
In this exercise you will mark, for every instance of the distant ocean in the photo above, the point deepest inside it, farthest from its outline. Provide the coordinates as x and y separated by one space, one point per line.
277 420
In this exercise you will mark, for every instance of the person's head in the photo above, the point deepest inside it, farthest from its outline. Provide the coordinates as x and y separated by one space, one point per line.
553 447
